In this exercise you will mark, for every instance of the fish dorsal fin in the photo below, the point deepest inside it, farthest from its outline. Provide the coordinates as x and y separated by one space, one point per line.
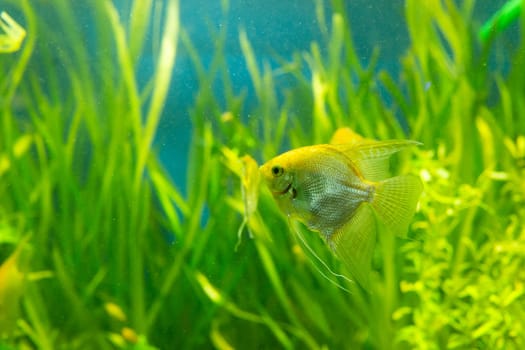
346 136
371 157
354 244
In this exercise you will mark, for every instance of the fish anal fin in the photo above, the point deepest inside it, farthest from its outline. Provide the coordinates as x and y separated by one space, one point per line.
354 244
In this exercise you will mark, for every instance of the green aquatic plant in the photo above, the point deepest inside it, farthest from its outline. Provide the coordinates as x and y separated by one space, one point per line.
79 172
91 129
507 14
11 39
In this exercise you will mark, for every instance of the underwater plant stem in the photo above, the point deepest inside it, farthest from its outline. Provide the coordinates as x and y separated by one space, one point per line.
40 331
385 302
17 73
126 65
143 135
139 18
251 63
500 20
203 149
273 275
163 75
68 285
173 273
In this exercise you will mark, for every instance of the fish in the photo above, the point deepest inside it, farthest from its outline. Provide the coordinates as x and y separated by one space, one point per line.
12 283
341 190
13 36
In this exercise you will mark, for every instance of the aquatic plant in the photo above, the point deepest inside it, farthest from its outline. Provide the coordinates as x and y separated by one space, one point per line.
429 288
134 262
77 133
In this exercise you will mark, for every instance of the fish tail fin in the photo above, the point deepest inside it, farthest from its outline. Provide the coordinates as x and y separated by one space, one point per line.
395 201
354 244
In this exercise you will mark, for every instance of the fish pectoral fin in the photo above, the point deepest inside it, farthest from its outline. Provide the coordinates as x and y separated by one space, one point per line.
395 201
354 244
371 157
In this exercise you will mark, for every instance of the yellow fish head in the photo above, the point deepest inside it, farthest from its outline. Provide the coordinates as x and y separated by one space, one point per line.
279 176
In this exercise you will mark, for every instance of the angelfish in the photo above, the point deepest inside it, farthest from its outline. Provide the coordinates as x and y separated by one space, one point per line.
339 190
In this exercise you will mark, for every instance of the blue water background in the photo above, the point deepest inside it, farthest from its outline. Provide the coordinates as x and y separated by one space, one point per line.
274 27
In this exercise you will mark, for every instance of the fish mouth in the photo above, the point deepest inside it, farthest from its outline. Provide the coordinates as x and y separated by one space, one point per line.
283 191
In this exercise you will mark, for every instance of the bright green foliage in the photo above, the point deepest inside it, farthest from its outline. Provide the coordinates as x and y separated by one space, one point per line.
12 34
499 21
78 172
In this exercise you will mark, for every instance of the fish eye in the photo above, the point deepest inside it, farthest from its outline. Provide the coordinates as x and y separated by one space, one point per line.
277 170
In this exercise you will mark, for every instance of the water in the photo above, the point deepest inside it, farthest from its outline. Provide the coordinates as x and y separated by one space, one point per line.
124 184
377 24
